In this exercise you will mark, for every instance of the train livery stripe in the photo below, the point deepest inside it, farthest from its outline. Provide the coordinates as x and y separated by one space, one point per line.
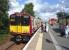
30 27
13 28
20 29
25 29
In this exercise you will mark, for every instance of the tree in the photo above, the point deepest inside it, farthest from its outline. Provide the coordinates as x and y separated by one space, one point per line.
62 15
3 14
28 9
67 18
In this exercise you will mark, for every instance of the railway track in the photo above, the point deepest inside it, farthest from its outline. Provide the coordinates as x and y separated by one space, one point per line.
12 46
16 46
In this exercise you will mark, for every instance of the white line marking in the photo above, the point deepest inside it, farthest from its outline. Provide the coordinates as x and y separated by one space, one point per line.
54 41
39 43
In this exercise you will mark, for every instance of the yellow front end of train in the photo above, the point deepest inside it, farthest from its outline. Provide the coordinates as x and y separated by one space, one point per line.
22 30
20 27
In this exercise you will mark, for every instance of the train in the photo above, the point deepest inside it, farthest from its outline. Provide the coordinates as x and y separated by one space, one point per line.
52 21
22 26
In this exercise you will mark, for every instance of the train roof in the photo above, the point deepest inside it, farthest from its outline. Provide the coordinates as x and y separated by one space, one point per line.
20 14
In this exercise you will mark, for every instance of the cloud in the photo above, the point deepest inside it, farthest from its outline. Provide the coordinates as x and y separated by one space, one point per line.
48 15
66 3
37 4
66 6
44 9
15 6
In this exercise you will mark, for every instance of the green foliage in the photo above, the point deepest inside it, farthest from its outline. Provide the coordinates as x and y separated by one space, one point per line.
3 15
63 17
61 14
28 9
39 18
3 38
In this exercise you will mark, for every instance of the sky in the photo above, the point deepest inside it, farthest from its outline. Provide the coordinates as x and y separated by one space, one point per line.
45 8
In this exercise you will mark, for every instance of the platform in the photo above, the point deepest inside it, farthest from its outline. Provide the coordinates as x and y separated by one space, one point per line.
47 41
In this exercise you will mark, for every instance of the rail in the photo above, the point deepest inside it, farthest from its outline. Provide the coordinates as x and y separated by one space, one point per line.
4 47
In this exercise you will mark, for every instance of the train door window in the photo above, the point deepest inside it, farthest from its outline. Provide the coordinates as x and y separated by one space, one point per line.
25 20
17 20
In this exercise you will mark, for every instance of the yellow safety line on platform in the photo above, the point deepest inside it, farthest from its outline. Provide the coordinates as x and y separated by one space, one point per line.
39 43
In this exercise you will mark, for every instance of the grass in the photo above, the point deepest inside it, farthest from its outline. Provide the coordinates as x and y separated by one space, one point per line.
3 38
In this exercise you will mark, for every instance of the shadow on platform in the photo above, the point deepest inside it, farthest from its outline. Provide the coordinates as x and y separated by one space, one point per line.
57 30
65 47
49 41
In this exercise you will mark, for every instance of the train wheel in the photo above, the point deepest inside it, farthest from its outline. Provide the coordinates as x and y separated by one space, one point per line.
25 38
18 39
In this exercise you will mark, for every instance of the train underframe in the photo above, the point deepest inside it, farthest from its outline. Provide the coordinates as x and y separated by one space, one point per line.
18 38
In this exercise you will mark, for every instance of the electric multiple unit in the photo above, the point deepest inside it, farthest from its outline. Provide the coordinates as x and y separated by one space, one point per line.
22 26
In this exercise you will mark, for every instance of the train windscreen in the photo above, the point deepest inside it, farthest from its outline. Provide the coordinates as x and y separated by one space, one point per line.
25 20
14 20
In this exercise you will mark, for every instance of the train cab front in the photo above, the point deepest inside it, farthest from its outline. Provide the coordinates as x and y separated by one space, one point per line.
21 27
